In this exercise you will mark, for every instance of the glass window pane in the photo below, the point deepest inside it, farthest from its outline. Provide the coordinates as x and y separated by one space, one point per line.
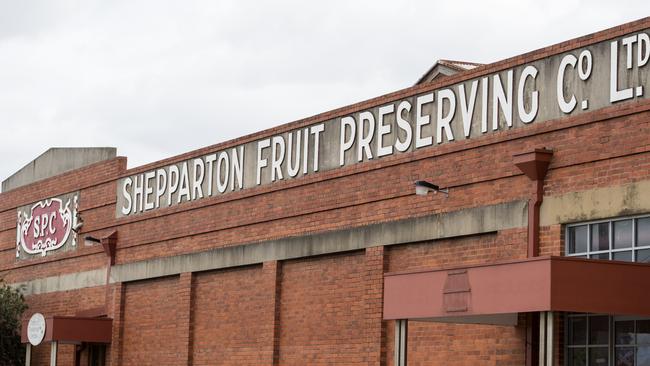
643 356
643 231
624 332
577 357
643 255
604 256
578 239
578 330
624 356
598 356
600 237
622 234
643 331
599 330
622 256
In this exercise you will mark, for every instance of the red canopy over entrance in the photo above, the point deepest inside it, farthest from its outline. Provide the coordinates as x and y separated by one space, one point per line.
527 285
69 329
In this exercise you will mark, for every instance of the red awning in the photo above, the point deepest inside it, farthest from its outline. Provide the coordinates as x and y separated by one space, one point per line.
74 329
528 285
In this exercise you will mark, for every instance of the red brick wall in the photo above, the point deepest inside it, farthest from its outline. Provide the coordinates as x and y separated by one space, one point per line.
465 344
322 311
230 321
150 334
469 250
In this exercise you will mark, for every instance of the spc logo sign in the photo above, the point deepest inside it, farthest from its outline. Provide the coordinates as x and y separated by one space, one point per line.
47 225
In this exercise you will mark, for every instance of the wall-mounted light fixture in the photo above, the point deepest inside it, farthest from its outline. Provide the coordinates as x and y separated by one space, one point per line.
423 187
109 243
92 239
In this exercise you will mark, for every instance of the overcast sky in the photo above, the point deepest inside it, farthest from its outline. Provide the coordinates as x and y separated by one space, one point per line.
159 78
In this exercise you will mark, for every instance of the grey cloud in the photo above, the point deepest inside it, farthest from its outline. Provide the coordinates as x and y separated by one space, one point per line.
158 78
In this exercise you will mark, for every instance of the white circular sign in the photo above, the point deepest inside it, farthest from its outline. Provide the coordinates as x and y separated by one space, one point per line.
36 329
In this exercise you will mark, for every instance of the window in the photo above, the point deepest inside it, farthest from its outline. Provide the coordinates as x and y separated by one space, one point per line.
587 340
626 239
632 342
602 340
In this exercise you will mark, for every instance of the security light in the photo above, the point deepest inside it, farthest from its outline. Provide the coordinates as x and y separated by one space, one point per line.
423 187
92 239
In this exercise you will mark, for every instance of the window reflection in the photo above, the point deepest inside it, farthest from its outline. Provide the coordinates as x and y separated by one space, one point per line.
643 255
631 341
600 236
578 330
599 330
622 234
643 332
643 232
624 356
577 356
643 356
622 256
598 356
578 239
624 332
604 256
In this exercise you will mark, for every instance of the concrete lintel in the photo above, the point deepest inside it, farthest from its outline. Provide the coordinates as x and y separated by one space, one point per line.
447 225
596 204
64 282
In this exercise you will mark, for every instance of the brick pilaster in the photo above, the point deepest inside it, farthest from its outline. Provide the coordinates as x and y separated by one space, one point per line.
271 273
374 294
118 316
184 318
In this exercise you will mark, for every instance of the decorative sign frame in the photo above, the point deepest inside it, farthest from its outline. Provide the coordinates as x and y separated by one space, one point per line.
47 225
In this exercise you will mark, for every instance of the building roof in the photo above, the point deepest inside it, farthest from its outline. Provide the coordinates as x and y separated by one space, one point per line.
445 68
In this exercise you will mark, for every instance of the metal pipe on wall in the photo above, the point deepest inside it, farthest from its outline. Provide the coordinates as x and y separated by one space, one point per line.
401 342
53 352
28 354
546 338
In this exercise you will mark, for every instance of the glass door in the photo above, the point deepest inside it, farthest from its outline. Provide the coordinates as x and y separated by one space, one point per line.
97 355
602 340
588 340
631 341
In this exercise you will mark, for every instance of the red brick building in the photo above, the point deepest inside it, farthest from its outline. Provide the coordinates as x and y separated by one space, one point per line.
306 244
